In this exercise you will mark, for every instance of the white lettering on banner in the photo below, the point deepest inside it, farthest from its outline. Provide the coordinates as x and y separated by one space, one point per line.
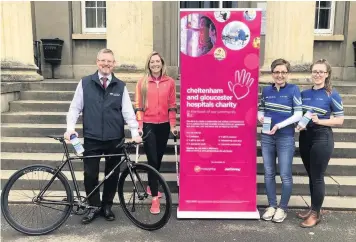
211 105
205 97
215 124
225 105
201 90
208 169
209 101
232 169
200 105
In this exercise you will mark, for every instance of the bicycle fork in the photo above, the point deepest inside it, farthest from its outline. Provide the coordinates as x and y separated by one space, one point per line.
134 179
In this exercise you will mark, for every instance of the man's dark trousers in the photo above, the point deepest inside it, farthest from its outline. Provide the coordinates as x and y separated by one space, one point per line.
91 170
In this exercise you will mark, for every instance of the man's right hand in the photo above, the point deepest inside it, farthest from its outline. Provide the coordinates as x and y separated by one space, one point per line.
69 133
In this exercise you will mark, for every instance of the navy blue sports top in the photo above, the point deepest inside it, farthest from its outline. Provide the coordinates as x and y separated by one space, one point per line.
322 103
280 105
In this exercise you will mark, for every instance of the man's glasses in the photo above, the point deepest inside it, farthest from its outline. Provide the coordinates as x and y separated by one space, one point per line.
106 61
277 73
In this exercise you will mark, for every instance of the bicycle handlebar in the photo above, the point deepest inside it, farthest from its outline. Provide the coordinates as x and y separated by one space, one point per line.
130 144
122 143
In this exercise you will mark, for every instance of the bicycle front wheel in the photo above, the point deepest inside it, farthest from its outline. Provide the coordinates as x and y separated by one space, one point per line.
134 192
29 213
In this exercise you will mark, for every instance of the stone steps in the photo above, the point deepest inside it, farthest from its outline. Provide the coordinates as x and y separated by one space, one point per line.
44 106
335 185
15 160
48 145
63 106
68 96
70 85
58 85
296 201
60 117
41 130
53 95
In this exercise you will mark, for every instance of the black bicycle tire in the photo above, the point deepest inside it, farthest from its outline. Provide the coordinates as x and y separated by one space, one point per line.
4 201
162 222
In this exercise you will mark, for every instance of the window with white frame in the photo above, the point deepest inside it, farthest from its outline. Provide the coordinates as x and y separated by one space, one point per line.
94 16
208 4
324 17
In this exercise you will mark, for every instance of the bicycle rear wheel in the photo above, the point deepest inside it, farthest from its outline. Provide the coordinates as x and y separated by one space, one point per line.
136 203
25 211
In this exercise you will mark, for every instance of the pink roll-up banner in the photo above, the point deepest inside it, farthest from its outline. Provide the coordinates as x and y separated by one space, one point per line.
219 66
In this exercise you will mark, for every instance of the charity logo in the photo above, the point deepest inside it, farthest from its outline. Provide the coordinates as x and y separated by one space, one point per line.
241 86
198 169
233 169
114 94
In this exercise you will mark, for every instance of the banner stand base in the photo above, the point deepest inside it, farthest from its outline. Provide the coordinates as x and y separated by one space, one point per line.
215 215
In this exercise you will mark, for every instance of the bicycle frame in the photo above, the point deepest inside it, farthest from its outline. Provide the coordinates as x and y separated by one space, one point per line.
76 187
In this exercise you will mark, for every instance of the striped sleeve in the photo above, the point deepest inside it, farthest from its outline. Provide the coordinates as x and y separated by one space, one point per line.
336 104
297 100
261 105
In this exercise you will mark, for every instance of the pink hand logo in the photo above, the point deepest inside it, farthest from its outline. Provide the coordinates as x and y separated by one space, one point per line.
243 82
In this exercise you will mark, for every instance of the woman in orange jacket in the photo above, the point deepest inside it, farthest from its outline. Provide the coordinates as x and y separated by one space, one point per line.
156 109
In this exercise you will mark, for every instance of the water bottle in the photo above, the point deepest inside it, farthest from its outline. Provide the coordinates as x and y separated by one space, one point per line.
303 122
76 144
266 127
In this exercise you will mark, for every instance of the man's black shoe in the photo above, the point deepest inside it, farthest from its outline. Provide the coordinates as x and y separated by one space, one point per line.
107 213
92 214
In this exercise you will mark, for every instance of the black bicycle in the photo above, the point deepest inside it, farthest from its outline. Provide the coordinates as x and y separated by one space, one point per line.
38 199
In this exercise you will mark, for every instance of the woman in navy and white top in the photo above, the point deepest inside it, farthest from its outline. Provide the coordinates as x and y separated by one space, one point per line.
282 103
316 142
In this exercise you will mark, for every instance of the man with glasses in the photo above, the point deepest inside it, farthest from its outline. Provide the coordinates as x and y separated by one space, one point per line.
105 104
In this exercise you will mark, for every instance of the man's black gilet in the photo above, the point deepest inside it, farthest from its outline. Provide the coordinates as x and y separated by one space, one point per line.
102 117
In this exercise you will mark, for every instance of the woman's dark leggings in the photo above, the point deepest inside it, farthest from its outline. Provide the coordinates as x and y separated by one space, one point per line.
316 146
155 145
